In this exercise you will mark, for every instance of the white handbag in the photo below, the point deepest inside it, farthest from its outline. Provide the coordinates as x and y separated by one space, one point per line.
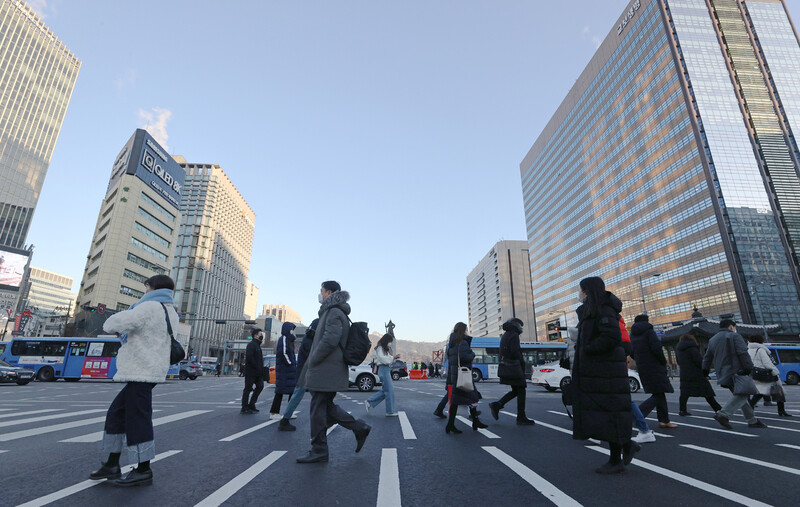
464 379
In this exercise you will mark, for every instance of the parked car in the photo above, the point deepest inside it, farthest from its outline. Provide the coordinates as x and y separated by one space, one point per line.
553 377
16 374
190 370
363 378
399 369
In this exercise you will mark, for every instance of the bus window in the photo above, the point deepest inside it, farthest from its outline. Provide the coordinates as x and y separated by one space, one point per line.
38 348
54 349
789 355
95 349
77 349
111 348
492 356
2 348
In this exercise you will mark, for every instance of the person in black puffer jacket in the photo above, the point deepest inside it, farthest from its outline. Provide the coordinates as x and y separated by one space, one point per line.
602 401
459 353
652 366
512 371
299 392
693 382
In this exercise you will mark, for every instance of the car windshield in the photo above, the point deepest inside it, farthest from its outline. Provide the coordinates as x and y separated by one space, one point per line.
3 363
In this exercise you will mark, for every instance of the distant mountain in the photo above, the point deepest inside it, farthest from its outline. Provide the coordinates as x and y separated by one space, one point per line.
411 351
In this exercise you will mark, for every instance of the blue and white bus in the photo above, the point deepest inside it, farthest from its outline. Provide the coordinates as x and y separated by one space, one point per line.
69 358
487 356
786 357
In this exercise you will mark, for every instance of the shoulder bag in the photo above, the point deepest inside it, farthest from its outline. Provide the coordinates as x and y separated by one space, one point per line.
742 384
176 352
776 393
510 370
763 374
464 379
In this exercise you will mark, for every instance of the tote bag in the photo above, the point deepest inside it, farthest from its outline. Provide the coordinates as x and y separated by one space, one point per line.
464 379
742 384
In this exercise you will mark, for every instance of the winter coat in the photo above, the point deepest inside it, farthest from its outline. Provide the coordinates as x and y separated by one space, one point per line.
383 358
690 361
305 349
254 360
602 404
144 356
759 354
511 352
650 360
460 353
285 361
325 370
726 364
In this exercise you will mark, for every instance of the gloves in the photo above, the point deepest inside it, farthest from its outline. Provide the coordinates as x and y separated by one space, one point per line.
706 372
745 371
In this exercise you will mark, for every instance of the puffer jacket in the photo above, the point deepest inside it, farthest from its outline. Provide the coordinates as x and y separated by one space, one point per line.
285 361
650 361
325 369
759 353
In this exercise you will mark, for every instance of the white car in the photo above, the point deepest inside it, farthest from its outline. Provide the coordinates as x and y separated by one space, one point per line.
552 377
362 377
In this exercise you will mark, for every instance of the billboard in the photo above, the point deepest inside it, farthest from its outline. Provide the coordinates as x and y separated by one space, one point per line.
12 267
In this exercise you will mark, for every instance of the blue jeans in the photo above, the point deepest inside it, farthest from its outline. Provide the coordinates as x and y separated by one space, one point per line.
297 396
638 418
387 390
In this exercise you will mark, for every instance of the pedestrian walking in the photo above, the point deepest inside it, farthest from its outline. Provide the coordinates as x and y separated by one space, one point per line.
299 392
439 412
727 352
693 381
511 372
602 393
285 369
652 366
460 355
645 434
384 357
325 374
759 353
142 362
253 372
219 369
430 370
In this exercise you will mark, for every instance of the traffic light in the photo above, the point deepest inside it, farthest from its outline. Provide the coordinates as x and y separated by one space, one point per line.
88 308
250 322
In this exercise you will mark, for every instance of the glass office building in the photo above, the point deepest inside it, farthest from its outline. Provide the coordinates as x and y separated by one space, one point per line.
671 168
37 75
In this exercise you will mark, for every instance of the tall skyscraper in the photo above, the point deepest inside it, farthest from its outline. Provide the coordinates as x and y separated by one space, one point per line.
499 288
136 231
671 168
37 75
283 313
213 257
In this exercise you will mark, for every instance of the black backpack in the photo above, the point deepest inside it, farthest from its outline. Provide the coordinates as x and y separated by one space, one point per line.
358 345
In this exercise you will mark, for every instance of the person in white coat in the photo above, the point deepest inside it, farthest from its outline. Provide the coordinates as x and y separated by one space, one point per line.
142 362
759 353
384 357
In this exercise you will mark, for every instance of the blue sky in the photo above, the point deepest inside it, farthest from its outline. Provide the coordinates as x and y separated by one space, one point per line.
377 142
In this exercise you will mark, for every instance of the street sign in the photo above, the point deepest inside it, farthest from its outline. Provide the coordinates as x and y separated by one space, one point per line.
101 308
437 355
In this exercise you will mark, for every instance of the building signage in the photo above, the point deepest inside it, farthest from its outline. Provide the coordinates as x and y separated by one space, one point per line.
151 164
628 16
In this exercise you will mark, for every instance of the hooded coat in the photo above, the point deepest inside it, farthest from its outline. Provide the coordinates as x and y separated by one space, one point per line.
460 354
727 352
305 346
650 360
325 369
759 353
602 402
285 361
690 361
511 351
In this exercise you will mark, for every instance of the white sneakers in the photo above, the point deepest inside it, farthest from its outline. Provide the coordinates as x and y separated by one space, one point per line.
366 404
391 414
275 416
643 438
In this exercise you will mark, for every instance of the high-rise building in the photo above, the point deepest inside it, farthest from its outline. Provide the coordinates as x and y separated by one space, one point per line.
136 231
213 257
499 288
283 313
671 168
37 75
48 292
251 300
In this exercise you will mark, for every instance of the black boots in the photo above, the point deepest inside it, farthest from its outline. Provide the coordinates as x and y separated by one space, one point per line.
522 419
476 423
451 421
495 409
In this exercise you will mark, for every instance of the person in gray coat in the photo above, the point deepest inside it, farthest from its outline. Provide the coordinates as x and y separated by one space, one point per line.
325 374
727 352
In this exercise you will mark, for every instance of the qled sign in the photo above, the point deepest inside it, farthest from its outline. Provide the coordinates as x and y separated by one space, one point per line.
153 165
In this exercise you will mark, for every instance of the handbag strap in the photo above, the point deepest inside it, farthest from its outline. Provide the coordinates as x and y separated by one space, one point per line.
169 325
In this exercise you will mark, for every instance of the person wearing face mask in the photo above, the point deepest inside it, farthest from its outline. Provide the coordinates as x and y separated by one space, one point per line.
325 374
253 372
299 392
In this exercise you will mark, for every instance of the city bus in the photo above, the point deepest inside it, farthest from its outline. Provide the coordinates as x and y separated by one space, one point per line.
69 358
786 357
487 353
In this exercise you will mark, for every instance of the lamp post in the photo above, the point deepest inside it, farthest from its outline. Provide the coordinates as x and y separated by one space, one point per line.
641 287
760 312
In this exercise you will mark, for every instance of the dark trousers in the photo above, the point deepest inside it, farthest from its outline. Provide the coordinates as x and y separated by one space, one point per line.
517 392
276 404
249 380
131 413
443 403
324 414
712 402
659 402
756 397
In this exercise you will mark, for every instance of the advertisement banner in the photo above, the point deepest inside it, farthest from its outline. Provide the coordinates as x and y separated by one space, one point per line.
96 367
12 268
8 301
151 163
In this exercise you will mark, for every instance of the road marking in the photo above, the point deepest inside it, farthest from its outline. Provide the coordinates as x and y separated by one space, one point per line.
63 493
486 433
740 422
30 412
744 459
333 427
249 430
711 429
557 428
6 409
704 486
52 416
405 425
98 436
790 446
549 491
389 480
654 433
49 429
792 420
231 487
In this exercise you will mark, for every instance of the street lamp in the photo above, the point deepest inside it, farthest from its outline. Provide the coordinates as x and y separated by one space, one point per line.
760 312
641 287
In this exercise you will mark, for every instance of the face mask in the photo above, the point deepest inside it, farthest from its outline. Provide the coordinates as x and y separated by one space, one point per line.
320 298
581 299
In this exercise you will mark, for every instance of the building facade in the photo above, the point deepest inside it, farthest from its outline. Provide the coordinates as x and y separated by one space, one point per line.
283 313
676 166
499 289
136 232
37 76
251 300
213 257
48 292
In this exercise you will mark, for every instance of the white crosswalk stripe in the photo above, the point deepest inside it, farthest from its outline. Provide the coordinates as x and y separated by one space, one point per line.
405 426
389 480
30 412
790 446
544 487
51 417
778 419
483 432
741 422
654 433
745 459
98 435
238 482
249 430
717 430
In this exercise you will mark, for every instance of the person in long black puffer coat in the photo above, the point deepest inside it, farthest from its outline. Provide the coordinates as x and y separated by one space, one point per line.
511 356
285 368
459 353
652 367
602 394
693 382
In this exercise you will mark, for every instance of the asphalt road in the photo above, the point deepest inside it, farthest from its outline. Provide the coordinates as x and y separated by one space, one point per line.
209 454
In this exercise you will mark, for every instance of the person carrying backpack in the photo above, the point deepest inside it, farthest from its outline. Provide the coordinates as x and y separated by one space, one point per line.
325 374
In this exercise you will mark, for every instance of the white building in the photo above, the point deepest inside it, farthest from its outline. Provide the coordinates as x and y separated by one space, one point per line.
251 300
284 313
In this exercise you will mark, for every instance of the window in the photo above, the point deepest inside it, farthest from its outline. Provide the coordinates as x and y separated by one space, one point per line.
122 307
134 276
77 349
149 200
147 248
153 220
789 355
149 265
39 348
131 292
150 234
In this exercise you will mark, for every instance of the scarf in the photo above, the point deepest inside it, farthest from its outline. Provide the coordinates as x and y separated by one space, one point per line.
158 295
